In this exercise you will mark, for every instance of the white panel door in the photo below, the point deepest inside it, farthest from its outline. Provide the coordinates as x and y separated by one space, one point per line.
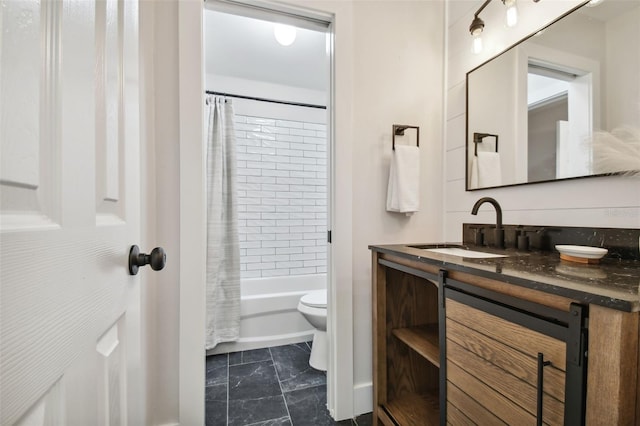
70 337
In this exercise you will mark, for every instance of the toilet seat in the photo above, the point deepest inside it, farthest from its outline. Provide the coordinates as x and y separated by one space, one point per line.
315 299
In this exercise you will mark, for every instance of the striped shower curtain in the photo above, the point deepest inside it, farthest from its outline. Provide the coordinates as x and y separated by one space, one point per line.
223 246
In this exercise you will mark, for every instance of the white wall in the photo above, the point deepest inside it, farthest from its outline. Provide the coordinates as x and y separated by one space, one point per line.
398 52
599 202
388 70
622 102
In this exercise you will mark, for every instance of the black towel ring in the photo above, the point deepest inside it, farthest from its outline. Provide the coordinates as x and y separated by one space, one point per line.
398 130
477 138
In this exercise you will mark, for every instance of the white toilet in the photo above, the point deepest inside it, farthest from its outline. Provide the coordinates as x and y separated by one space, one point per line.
313 306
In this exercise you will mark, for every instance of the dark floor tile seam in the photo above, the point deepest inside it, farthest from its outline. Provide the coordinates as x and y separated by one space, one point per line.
251 362
264 421
228 390
273 361
228 384
308 396
306 388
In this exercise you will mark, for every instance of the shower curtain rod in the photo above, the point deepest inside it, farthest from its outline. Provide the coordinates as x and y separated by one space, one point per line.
274 101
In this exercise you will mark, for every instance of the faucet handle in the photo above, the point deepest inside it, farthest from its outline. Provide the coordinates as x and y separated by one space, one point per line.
478 235
522 240
537 236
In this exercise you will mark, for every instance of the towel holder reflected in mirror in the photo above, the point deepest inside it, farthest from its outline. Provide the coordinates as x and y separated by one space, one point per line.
477 138
398 130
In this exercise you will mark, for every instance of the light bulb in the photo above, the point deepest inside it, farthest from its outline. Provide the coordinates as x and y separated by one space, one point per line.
285 34
476 46
512 14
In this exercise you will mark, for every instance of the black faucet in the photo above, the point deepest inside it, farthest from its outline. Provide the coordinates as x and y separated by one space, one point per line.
499 232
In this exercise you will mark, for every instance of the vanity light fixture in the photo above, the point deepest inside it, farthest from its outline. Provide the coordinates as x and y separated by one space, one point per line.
512 12
477 25
476 28
476 46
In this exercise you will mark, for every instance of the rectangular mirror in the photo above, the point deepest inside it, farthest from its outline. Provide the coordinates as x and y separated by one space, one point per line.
563 103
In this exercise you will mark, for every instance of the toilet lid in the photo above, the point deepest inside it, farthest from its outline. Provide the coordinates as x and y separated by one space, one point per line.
315 299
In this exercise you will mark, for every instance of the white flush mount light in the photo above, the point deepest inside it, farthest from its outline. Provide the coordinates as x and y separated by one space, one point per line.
594 3
285 34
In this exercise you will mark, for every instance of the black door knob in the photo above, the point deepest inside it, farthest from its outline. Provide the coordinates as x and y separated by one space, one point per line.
157 259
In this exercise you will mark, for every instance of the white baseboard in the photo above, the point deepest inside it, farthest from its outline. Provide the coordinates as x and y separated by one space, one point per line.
247 344
362 398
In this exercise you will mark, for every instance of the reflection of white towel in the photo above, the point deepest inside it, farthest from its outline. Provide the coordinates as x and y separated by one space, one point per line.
488 170
474 173
403 191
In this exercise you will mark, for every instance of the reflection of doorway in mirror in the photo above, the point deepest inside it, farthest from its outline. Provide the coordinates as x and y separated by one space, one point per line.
559 121
545 120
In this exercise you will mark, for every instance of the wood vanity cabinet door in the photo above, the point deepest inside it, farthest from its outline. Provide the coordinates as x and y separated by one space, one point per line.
492 370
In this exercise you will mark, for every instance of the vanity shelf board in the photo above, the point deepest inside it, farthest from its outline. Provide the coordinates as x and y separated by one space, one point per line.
415 410
423 339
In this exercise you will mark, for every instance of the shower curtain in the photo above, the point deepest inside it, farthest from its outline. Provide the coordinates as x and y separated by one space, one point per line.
223 246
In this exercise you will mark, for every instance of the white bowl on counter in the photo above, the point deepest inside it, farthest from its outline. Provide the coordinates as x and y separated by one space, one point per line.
571 252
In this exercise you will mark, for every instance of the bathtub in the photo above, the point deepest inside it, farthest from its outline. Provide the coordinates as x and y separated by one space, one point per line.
269 312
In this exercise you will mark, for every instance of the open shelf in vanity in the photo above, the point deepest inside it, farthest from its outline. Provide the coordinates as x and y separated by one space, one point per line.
408 361
423 339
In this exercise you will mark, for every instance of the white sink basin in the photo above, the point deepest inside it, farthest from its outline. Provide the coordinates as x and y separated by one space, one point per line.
456 251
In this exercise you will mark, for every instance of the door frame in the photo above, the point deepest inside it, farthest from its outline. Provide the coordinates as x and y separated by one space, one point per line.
192 215
340 379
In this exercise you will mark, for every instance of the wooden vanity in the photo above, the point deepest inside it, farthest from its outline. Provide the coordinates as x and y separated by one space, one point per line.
502 341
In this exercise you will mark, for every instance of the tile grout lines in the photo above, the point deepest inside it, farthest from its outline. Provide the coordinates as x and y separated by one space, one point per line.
273 361
245 359
228 386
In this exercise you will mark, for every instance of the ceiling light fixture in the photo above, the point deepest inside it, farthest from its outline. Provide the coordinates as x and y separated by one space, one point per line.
285 34
477 25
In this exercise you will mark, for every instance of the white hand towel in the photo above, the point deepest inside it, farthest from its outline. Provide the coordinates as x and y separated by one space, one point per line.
403 191
474 173
489 170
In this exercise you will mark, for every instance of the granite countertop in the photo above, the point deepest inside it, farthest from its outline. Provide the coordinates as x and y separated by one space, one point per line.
613 283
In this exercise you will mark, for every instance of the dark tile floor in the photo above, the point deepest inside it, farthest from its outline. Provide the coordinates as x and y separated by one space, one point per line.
269 387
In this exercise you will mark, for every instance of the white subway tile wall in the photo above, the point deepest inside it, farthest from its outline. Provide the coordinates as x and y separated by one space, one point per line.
282 197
